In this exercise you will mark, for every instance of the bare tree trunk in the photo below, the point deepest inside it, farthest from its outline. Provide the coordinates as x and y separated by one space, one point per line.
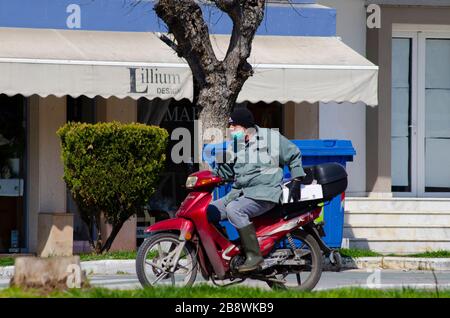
99 240
216 106
92 219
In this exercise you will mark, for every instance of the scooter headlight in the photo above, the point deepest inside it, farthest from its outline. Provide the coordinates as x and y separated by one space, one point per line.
191 182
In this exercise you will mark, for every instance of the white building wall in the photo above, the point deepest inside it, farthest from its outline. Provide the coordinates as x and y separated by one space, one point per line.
346 120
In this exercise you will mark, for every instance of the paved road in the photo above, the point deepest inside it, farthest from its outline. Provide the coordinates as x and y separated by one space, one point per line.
329 280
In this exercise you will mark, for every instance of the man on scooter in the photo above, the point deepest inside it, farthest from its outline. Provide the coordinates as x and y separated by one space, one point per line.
258 157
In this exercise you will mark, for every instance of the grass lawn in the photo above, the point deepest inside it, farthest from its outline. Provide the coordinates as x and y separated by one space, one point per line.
109 255
206 291
433 254
6 261
353 252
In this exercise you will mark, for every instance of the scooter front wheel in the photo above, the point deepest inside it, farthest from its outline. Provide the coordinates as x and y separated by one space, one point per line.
163 259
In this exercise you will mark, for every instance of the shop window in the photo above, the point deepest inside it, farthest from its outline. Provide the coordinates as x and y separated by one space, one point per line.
401 132
12 173
81 109
437 115
267 115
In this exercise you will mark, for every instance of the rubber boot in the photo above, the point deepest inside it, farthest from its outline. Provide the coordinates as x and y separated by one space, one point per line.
250 245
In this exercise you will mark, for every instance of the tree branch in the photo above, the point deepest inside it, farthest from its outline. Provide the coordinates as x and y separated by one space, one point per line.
229 6
169 43
247 16
185 21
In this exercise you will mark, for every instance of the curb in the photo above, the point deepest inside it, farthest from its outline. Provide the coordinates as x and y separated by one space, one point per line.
395 263
109 267
6 272
127 267
106 267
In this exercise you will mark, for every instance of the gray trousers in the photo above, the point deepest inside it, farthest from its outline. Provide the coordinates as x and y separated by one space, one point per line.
240 211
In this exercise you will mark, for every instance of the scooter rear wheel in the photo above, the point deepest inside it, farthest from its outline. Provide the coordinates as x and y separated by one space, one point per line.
307 246
156 257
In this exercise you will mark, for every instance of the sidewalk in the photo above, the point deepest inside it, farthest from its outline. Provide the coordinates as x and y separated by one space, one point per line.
115 267
395 263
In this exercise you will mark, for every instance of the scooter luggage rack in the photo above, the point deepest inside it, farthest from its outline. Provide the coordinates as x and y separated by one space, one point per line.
299 208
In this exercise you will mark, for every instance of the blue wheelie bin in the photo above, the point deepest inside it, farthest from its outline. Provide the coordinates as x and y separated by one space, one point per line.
313 152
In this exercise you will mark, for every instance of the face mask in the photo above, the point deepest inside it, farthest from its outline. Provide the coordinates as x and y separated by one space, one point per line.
237 134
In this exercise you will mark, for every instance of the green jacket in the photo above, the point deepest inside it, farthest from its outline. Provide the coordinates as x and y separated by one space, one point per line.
257 166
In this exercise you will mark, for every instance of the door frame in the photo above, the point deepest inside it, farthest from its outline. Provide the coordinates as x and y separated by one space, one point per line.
419 34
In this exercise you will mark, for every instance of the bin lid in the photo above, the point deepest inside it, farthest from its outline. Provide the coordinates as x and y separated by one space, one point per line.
319 147
325 147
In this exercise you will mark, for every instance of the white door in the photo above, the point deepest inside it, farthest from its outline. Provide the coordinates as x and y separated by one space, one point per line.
420 135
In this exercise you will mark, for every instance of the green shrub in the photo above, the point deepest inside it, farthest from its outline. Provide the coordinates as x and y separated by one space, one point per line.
111 170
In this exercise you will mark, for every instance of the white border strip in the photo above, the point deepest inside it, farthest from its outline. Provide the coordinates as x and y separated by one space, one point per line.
317 67
90 63
182 65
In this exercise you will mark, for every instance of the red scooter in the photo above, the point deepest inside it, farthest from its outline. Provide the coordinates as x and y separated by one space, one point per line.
290 241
